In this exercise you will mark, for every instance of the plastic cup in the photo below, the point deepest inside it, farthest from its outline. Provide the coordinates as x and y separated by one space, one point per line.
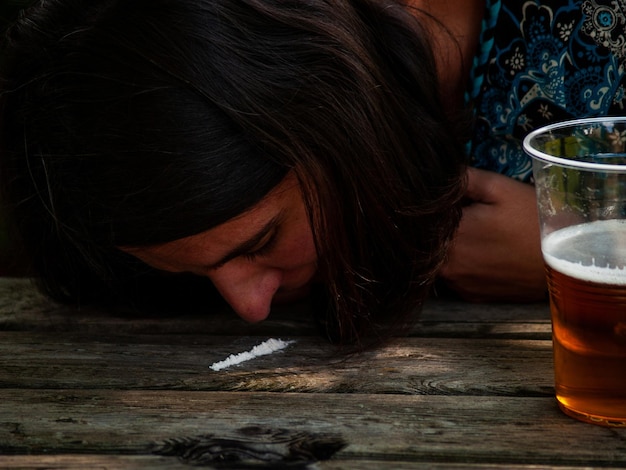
579 169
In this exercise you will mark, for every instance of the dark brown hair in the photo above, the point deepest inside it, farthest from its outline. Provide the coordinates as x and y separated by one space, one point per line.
138 122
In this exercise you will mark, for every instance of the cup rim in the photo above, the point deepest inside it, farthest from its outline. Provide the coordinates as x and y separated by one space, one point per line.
534 153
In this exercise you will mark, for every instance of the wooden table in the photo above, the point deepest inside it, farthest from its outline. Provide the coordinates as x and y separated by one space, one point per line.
471 387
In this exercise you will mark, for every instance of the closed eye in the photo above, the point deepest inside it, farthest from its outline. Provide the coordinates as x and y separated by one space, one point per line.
254 246
265 247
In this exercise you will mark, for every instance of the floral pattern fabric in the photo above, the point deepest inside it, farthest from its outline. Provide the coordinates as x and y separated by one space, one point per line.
542 62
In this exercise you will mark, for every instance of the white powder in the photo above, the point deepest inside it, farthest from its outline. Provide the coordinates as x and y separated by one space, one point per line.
263 349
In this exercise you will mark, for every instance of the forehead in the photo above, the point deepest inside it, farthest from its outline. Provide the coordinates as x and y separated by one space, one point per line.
206 247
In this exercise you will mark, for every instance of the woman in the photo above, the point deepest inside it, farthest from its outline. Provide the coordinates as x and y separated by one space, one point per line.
260 145
341 104
538 62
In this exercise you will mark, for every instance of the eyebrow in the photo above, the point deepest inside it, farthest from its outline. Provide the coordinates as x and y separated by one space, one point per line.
247 245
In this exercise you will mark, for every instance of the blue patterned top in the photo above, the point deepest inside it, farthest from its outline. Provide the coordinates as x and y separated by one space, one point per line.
541 62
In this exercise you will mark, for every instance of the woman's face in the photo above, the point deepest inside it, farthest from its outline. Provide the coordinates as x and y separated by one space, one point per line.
264 255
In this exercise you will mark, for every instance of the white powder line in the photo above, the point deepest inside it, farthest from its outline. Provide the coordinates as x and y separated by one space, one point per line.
263 349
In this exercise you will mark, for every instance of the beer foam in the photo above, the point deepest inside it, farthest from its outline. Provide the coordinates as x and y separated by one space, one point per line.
594 252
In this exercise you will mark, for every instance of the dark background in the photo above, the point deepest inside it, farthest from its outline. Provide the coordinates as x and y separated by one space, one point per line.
9 259
9 9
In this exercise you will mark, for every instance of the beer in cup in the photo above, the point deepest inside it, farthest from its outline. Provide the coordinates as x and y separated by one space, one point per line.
579 169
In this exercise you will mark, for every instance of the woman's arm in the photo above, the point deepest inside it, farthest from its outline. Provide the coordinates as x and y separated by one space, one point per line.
496 255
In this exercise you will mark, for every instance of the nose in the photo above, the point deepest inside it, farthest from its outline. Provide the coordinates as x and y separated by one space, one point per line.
247 289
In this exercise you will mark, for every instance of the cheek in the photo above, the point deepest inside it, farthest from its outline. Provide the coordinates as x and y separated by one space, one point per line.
299 267
298 250
301 250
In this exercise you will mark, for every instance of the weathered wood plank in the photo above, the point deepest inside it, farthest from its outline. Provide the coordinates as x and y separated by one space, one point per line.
141 462
378 465
488 430
408 365
91 462
23 309
470 388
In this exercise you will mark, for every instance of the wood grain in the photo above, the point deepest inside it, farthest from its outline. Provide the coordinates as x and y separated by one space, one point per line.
381 427
407 366
22 308
470 387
